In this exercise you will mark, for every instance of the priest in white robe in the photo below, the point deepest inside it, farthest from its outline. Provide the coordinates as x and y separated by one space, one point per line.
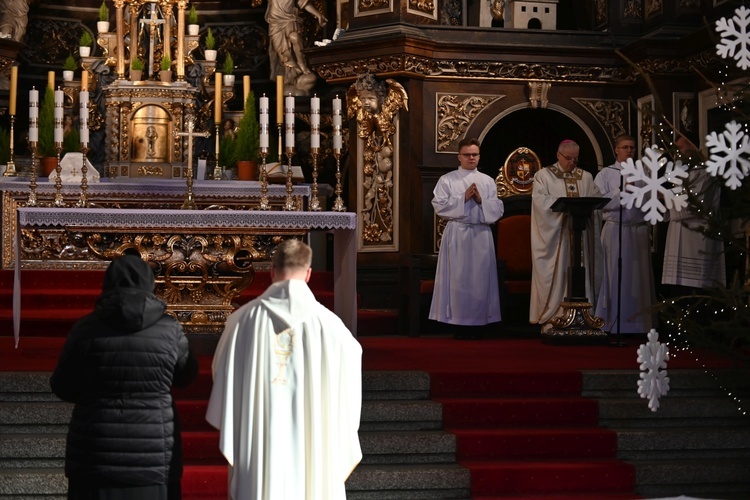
466 288
287 391
551 235
635 282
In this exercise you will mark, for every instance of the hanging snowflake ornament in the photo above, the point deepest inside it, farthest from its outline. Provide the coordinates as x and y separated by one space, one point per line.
729 154
644 187
735 40
653 357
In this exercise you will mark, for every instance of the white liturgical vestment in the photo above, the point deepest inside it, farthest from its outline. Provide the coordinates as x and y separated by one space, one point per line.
466 289
287 397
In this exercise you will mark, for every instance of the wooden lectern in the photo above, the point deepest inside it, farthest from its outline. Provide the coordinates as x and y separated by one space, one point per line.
576 324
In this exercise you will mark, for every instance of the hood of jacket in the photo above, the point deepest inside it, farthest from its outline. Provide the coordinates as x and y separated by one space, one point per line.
127 302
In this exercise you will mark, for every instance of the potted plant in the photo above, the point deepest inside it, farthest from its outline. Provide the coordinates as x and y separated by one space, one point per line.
210 51
248 141
228 71
228 152
45 147
102 25
136 69
84 44
165 75
193 27
69 67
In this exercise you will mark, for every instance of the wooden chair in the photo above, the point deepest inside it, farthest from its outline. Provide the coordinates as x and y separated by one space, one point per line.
513 247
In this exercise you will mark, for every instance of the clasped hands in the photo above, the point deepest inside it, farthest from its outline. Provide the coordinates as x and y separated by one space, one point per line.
473 192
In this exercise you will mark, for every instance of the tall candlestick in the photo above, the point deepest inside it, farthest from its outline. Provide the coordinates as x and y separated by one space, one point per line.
51 79
13 90
315 122
58 130
289 121
337 124
84 117
245 90
33 115
85 80
218 99
279 99
264 134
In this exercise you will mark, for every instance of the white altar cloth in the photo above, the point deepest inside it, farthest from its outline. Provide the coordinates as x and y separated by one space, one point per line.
341 224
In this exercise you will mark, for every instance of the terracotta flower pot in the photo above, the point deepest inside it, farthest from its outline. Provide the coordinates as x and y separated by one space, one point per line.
136 75
48 165
247 170
165 75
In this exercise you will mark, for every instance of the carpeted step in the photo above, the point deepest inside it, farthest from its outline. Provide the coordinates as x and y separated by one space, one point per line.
513 412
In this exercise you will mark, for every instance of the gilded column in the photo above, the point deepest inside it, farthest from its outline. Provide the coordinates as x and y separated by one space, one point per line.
135 9
181 6
119 5
166 6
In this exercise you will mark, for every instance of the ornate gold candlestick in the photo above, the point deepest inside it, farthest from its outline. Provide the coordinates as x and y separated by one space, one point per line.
217 166
263 205
189 202
31 202
10 168
314 201
289 204
58 201
83 200
338 205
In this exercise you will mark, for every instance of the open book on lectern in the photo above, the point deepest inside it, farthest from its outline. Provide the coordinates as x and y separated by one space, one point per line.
277 173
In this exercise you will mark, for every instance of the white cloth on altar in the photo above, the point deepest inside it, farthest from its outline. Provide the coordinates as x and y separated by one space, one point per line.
287 397
637 285
466 288
70 170
690 258
550 241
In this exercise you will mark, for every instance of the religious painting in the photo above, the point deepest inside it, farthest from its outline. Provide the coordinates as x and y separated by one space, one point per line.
685 115
646 119
516 176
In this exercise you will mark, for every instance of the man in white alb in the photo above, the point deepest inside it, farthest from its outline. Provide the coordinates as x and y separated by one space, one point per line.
287 391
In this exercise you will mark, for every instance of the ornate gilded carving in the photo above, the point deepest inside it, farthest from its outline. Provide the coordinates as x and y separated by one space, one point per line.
601 12
653 7
611 114
426 6
375 105
54 39
516 176
369 6
454 114
151 171
633 10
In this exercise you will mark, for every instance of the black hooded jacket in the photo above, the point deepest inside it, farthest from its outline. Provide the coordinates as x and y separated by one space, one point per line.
118 366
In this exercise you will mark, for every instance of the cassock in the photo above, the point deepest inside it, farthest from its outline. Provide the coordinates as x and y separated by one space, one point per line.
550 240
287 397
466 290
690 258
637 281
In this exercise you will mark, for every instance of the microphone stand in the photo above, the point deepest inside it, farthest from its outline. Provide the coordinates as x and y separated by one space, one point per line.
617 342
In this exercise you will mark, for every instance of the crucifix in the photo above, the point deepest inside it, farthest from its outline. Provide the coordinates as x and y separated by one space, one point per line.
189 203
153 22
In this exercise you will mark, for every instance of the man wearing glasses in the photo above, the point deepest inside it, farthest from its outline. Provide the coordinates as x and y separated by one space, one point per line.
550 234
466 289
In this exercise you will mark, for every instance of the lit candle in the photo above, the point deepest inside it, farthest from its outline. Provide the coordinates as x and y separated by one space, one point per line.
218 99
315 122
85 80
51 79
337 124
279 99
58 131
245 90
289 120
13 90
264 124
84 118
33 115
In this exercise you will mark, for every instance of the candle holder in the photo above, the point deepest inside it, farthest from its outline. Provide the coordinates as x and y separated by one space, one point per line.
263 205
58 201
279 127
10 168
289 204
83 201
314 201
338 205
217 166
31 202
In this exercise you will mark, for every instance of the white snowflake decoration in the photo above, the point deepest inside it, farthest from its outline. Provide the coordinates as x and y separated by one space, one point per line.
653 357
734 37
729 152
643 186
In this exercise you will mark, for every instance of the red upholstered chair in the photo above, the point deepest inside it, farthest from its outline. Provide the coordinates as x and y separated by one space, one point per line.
513 246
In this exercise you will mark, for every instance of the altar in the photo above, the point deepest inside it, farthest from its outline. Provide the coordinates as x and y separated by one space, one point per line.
203 259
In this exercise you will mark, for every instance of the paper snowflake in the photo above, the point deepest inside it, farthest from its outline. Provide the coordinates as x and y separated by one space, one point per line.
653 357
644 187
734 37
729 154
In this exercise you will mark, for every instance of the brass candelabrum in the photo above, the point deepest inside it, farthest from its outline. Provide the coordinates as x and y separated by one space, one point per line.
83 200
58 201
263 205
338 205
314 201
10 168
289 204
31 202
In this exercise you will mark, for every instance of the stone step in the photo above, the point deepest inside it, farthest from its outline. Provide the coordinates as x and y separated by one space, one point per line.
684 443
47 483
673 412
726 478
426 447
682 383
397 482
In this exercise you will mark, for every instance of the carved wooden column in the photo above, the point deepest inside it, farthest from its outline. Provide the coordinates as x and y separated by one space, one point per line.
120 19
181 5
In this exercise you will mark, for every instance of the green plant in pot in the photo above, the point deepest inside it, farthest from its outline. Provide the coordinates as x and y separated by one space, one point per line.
228 71
166 68
193 27
69 67
45 147
84 44
210 44
248 141
136 69
103 24
228 152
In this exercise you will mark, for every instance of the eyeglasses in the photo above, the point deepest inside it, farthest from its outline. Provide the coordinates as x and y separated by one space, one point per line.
470 155
574 159
625 147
